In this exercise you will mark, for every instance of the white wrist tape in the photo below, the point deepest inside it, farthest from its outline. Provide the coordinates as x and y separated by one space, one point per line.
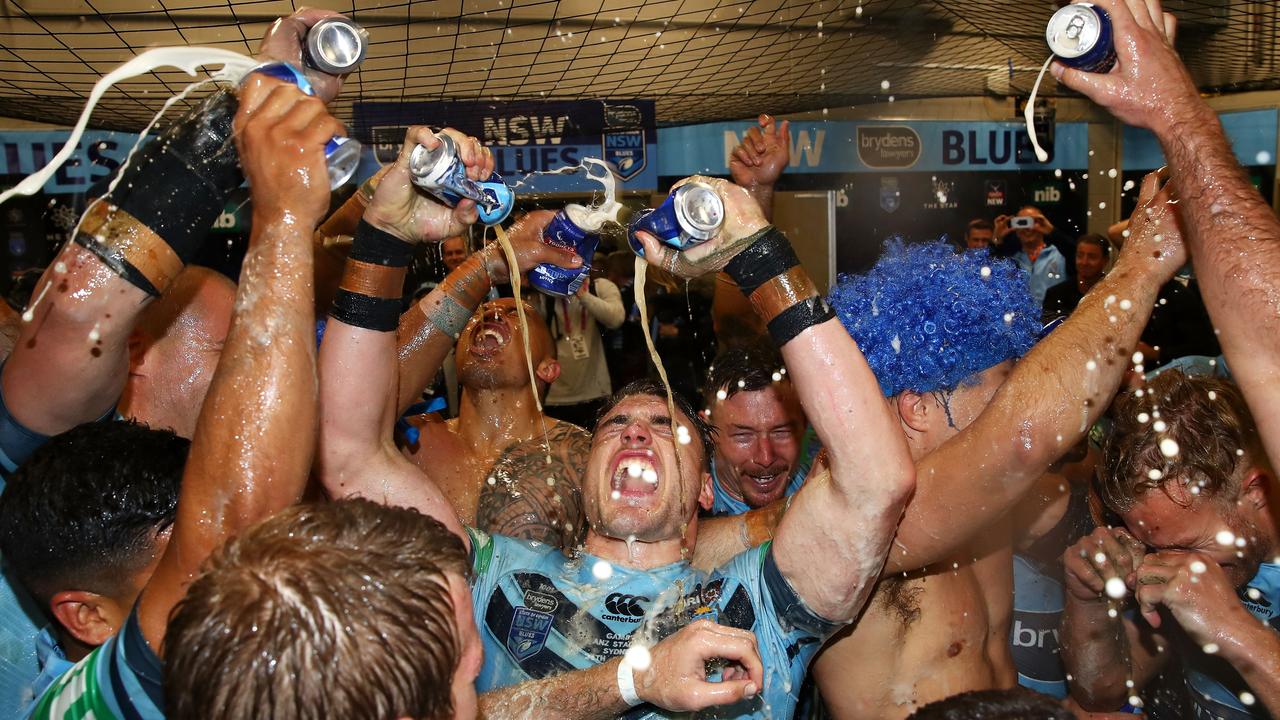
627 684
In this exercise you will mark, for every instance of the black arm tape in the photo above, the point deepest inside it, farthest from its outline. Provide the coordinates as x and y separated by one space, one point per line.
793 321
764 259
179 183
118 264
376 246
789 606
364 311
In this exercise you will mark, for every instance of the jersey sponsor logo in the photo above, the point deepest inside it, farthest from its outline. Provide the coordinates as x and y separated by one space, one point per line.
528 633
624 608
1034 637
541 602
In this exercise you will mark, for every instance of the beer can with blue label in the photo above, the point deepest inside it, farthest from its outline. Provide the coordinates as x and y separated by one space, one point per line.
336 46
691 214
441 173
342 155
566 231
1080 36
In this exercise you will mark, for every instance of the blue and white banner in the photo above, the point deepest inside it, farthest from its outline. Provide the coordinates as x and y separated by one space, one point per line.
533 137
842 146
1252 134
98 154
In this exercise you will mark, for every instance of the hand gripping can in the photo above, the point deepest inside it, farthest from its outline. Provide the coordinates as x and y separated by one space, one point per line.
1080 35
690 215
336 46
565 230
342 155
441 173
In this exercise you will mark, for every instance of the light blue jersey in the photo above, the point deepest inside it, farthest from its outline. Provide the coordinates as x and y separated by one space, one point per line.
726 504
1214 686
1038 603
541 614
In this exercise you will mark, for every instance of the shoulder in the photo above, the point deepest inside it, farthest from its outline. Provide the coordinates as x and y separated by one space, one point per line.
605 285
491 552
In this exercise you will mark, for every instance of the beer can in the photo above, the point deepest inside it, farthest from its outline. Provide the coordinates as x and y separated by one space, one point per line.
1080 36
565 231
336 46
441 173
342 155
690 215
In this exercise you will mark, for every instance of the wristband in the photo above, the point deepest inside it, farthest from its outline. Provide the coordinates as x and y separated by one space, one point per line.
364 311
373 245
627 684
798 318
764 259
129 247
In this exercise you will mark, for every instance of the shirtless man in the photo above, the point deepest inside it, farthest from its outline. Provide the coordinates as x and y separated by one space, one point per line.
492 460
982 431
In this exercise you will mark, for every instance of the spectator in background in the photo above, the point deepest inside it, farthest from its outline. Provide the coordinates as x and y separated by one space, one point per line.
1045 263
624 349
1092 253
979 235
577 395
453 251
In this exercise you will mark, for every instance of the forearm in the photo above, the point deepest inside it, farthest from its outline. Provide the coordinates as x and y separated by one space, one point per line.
1255 654
1095 653
721 538
429 330
590 694
1234 239
1051 398
763 195
329 260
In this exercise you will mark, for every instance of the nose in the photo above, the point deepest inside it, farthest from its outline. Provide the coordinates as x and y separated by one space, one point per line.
636 434
764 454
492 313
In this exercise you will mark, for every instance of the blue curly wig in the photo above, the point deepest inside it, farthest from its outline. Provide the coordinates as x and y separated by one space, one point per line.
928 319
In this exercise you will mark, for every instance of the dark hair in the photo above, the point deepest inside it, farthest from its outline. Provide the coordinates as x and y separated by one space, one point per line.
83 511
654 388
979 224
1014 703
335 610
1208 419
744 368
1095 239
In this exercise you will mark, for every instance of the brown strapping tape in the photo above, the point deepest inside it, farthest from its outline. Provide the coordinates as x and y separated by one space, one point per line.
781 292
134 242
372 279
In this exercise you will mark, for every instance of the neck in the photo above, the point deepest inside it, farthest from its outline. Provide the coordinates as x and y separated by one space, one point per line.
1031 247
498 416
1086 284
638 554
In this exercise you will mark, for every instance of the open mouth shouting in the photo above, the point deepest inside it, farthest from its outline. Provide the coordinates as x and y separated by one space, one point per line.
635 475
489 338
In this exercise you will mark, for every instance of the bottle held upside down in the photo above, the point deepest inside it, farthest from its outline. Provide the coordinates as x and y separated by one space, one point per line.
690 215
1080 36
568 230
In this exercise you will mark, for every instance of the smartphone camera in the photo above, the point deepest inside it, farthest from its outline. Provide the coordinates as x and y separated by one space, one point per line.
1022 223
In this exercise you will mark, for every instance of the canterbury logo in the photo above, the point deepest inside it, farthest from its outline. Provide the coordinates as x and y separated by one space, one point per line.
620 604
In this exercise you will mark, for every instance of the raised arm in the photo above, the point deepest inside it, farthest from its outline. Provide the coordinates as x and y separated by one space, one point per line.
762 156
71 360
252 450
1232 234
1049 401
848 519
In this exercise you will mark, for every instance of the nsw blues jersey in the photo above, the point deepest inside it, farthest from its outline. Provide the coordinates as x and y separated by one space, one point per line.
541 614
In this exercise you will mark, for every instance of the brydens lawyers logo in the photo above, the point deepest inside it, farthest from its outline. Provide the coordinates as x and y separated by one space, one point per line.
888 146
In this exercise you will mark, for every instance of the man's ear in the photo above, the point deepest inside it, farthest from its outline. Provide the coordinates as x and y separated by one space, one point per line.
548 370
1255 489
707 497
89 617
914 409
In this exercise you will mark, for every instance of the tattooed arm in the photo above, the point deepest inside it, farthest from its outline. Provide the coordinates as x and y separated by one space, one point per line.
534 499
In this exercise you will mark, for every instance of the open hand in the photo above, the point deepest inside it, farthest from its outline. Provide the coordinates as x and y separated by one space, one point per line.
765 151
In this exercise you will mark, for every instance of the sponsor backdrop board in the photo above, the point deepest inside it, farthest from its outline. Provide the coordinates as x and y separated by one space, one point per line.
532 137
916 180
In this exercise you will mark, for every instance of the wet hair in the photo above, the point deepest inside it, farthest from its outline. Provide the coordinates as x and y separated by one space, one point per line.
978 224
1099 240
1015 703
1209 430
928 319
745 368
704 430
83 511
334 610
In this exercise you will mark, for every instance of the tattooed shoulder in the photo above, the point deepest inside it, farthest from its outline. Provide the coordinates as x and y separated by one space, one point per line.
536 494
